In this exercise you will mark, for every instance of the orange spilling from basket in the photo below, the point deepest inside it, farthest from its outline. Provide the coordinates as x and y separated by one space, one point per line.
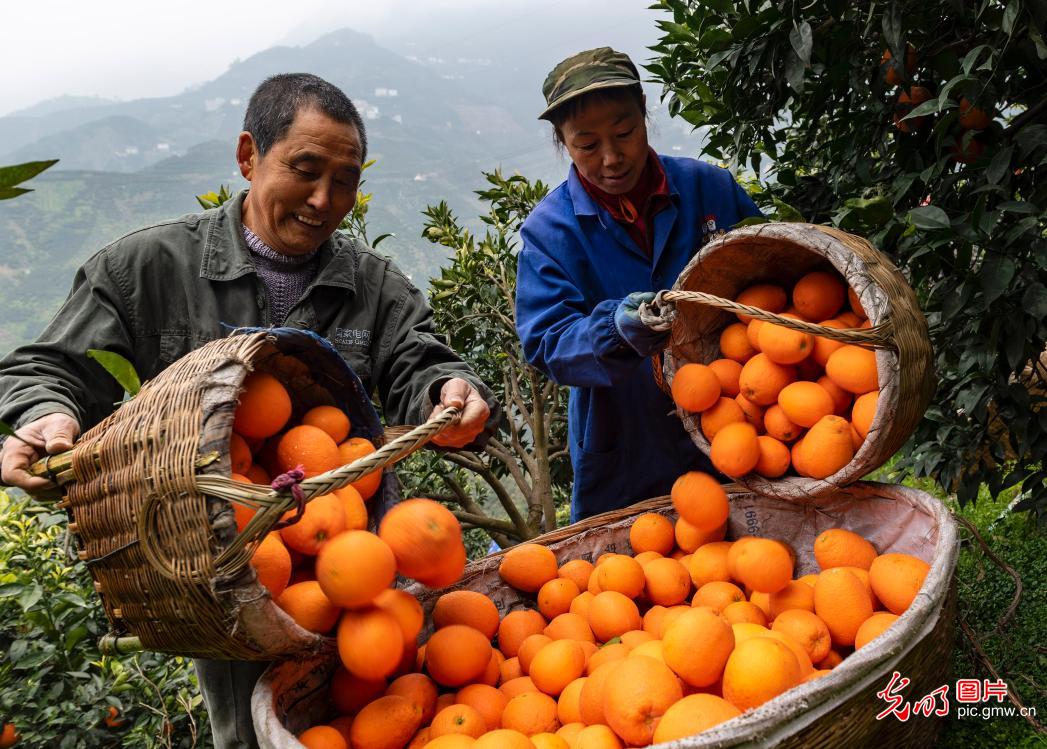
684 633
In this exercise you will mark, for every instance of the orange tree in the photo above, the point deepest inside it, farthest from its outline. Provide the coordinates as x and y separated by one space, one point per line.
923 126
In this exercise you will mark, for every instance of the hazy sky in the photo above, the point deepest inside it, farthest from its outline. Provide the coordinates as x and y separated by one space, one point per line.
126 50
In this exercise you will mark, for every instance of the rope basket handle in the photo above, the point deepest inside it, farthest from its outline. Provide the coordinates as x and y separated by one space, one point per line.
878 336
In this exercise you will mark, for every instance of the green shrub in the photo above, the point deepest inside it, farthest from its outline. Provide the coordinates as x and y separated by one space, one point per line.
55 684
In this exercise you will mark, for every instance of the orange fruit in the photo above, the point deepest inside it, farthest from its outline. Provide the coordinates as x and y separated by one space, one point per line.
890 75
605 654
819 295
568 706
611 614
370 642
734 450
556 665
310 447
493 674
735 344
823 346
322 737
580 605
456 655
517 686
695 387
590 700
780 426
447 741
577 571
264 408
354 567
528 567
854 369
725 411
971 117
355 509
842 602
466 607
908 101
389 721
529 648
896 579
666 582
804 403
309 607
774 457
784 345
651 532
621 573
323 519
744 611
425 538
515 627
486 700
343 724
802 658
550 741
752 333
832 660
717 595
727 371
863 412
637 693
759 669
597 737
420 690
753 413
841 398
634 638
570 627
696 646
352 450
762 564
652 649
699 499
331 419
647 556
795 595
458 719
349 692
709 563
555 596
239 454
445 700
405 609
257 475
765 296
762 379
272 563
531 713
807 630
838 547
873 627
827 447
689 538
449 570
509 669
503 738
693 714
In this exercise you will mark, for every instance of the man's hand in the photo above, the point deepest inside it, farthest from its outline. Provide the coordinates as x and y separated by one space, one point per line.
54 433
460 394
642 339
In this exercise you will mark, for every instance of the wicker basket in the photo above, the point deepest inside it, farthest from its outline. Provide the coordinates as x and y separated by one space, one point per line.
782 253
149 498
838 710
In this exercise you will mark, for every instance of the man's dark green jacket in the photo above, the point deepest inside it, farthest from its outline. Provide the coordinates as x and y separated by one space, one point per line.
159 292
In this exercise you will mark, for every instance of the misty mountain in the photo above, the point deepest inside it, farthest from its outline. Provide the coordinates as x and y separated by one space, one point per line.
433 126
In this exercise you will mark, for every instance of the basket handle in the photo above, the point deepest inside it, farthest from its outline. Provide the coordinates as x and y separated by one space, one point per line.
878 336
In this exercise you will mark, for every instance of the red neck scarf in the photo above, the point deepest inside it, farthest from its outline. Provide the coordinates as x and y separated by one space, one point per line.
636 209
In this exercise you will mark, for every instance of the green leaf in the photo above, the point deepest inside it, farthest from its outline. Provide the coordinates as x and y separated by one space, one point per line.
13 175
1037 39
720 6
120 368
6 430
786 212
999 165
931 106
1010 16
1034 301
30 596
996 275
751 221
802 39
74 636
929 217
6 193
971 58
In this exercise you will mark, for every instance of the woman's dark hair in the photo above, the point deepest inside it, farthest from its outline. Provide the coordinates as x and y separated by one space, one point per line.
279 98
572 107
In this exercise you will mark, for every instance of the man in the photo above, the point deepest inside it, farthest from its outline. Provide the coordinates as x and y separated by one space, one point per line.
270 256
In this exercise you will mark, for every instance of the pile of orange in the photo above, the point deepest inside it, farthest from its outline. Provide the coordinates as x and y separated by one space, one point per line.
685 633
780 399
327 569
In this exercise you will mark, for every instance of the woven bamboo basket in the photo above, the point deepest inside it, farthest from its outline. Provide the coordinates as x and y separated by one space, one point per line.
151 502
838 710
700 307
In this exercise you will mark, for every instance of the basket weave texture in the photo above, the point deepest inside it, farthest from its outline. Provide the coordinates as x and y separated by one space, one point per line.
837 710
153 541
781 253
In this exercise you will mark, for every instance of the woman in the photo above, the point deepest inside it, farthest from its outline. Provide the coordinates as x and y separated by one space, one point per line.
620 227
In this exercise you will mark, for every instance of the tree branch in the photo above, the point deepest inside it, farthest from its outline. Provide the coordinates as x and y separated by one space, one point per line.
487 523
497 450
477 467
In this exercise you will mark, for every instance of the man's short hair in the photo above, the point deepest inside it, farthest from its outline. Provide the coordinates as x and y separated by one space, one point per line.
279 98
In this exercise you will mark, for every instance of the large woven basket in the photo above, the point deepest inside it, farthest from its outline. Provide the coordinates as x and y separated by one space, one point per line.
838 710
149 498
781 253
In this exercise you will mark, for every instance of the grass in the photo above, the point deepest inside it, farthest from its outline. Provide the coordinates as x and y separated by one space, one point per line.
1018 651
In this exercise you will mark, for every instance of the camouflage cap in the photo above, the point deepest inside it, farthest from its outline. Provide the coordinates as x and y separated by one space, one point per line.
584 72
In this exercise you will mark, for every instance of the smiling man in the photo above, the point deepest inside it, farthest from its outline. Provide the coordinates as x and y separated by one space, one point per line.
270 256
